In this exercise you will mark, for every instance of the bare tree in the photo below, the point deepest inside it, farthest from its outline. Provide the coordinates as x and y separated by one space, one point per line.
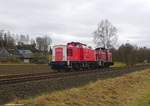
6 39
105 35
47 42
39 43
43 43
33 42
24 39
1 38
128 54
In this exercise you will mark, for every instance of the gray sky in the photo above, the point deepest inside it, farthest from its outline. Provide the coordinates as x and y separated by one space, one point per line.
75 20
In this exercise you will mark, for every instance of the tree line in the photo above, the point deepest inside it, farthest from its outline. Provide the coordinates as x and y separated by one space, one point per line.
11 41
131 54
106 35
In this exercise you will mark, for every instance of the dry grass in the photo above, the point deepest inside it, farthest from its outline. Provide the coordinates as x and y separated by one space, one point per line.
9 69
119 64
126 90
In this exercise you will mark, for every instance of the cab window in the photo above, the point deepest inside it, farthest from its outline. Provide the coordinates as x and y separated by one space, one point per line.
69 52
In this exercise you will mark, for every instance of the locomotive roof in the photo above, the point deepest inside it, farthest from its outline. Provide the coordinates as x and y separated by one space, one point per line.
76 43
58 45
102 48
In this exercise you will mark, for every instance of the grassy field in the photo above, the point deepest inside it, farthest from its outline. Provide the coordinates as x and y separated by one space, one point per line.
9 69
128 90
119 64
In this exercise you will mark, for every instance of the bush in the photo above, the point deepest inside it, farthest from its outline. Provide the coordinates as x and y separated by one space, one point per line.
39 58
10 60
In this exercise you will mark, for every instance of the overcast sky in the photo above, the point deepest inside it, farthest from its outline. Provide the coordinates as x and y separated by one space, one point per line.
75 20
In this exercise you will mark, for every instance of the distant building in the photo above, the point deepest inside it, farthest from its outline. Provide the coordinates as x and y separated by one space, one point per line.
12 52
25 55
4 53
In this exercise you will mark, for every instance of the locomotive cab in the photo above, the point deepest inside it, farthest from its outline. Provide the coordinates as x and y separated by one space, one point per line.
59 56
103 57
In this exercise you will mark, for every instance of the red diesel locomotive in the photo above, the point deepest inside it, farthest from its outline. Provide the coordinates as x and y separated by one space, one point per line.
76 55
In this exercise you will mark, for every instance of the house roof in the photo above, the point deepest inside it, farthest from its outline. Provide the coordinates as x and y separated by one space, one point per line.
25 53
4 53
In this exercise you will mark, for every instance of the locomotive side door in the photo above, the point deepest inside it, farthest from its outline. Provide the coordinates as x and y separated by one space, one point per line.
59 53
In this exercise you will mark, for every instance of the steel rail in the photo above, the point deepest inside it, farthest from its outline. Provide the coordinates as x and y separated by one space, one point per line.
53 75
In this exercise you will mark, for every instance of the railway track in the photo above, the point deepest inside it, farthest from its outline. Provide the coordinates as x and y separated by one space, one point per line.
54 75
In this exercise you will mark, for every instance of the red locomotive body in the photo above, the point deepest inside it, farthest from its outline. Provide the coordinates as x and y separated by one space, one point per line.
74 52
79 52
78 56
104 57
109 57
89 54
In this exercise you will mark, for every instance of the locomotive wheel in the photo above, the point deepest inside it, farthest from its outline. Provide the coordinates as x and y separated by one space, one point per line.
67 69
76 67
102 65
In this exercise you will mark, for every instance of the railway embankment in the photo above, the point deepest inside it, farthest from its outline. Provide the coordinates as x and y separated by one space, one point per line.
107 87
